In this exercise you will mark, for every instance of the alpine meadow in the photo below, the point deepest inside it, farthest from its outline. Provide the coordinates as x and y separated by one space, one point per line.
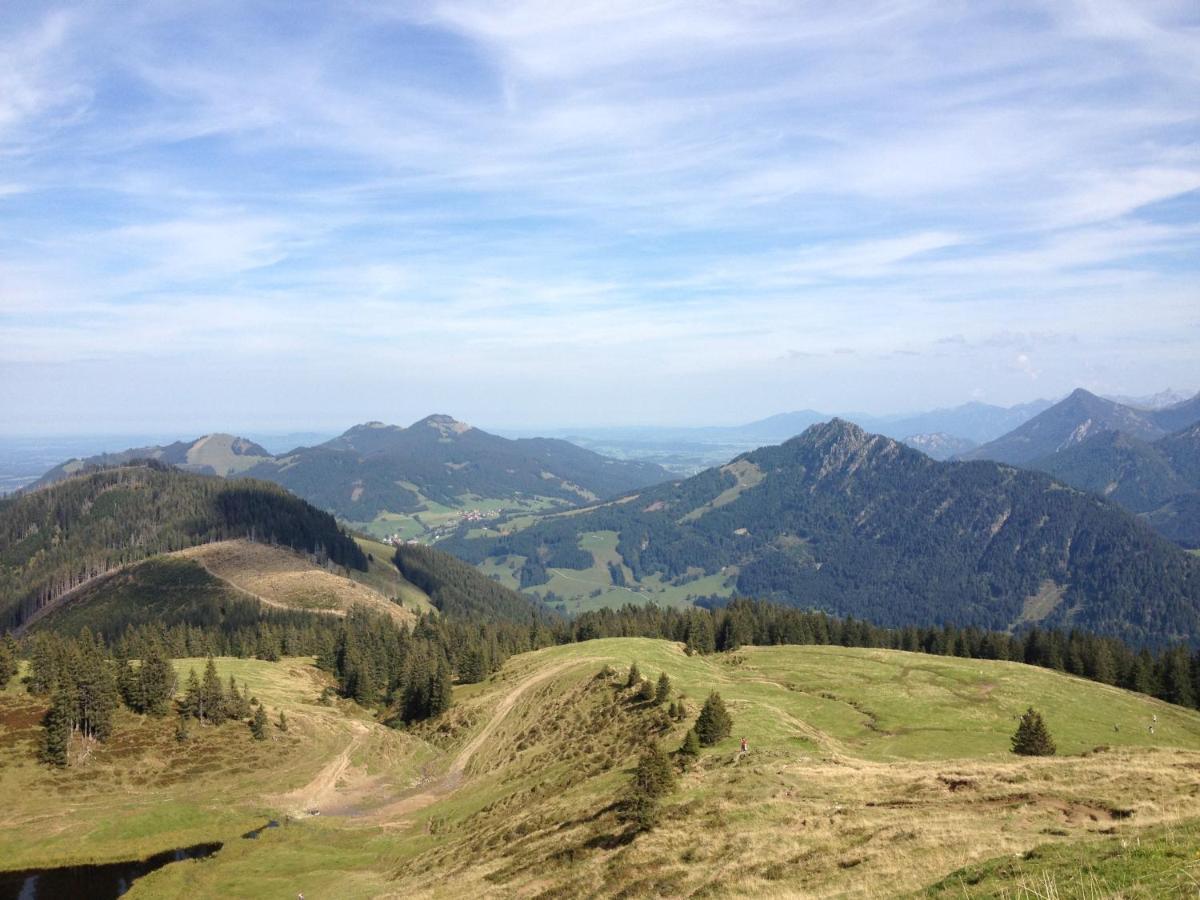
508 449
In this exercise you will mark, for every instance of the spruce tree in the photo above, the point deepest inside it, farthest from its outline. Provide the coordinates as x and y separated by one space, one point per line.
8 660
652 780
157 682
282 724
1032 738
57 727
645 692
690 748
663 692
714 724
635 675
193 703
258 725
182 732
212 694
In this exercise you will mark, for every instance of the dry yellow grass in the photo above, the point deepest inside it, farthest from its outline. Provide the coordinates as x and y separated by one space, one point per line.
280 577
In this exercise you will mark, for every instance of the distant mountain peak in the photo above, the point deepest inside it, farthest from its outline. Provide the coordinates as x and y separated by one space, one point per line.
448 426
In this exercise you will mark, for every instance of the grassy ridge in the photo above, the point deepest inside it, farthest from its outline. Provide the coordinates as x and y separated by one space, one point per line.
870 771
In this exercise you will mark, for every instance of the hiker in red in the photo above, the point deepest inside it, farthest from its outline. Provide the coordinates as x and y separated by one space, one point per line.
745 746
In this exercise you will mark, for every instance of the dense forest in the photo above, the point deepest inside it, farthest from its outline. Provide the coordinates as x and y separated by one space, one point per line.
55 539
1159 479
857 524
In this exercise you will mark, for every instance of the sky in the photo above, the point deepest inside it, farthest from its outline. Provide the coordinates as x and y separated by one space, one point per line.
301 215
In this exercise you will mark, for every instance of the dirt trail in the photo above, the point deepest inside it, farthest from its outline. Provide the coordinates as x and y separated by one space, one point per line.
323 789
447 783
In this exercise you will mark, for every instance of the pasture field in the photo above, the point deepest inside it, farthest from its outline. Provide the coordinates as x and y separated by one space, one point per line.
870 773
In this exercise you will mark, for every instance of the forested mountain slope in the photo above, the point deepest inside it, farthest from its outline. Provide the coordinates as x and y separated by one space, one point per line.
1160 480
859 524
376 468
53 540
413 481
1078 417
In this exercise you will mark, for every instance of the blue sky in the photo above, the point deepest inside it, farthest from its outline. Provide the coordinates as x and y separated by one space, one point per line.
302 215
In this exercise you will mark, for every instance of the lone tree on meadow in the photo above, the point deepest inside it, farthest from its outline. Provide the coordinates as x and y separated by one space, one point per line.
714 723
635 675
1032 738
653 779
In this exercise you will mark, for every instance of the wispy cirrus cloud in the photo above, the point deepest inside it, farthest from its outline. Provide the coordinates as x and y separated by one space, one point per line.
597 201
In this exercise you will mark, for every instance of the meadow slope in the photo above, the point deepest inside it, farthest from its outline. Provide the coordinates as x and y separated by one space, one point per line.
870 773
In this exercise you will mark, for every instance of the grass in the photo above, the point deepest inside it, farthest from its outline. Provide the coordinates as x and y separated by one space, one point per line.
870 772
144 792
1159 862
581 590
384 577
282 578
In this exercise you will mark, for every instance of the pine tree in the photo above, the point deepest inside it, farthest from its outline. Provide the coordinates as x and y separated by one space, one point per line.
663 692
258 725
714 724
8 660
690 748
193 703
212 694
282 724
645 692
635 675
652 780
57 726
1032 738
182 732
1175 677
441 689
157 681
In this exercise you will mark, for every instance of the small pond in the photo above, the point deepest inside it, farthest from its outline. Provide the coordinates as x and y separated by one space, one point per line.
99 882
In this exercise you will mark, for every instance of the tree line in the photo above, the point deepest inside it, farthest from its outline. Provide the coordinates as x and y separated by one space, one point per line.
54 540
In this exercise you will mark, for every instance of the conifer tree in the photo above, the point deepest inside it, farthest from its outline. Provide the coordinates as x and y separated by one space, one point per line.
193 703
635 675
652 780
212 694
182 732
714 724
690 748
663 692
282 724
1032 738
156 680
57 727
8 660
258 725
645 692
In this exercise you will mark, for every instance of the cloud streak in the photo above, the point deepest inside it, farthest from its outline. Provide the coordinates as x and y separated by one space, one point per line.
595 199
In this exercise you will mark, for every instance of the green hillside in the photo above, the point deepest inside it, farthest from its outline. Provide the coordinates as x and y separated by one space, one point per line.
869 772
418 482
1160 480
56 539
861 525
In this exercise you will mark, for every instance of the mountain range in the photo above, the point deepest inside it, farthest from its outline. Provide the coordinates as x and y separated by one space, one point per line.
860 524
387 479
1076 418
1145 459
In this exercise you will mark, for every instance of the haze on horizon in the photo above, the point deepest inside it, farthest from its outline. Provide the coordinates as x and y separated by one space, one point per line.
238 217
